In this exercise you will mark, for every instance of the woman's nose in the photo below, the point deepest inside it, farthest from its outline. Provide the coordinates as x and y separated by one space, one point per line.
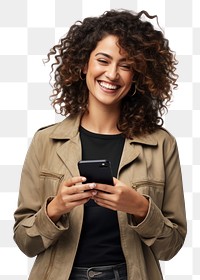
112 72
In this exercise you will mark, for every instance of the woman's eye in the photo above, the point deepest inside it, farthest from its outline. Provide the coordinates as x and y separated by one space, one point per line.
102 61
126 66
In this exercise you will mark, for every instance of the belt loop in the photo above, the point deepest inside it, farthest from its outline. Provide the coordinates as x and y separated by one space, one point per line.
116 273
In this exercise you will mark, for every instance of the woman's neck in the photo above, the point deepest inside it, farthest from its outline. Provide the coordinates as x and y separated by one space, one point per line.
100 121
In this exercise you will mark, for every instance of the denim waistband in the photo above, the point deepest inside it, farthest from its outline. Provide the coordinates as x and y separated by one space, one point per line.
100 272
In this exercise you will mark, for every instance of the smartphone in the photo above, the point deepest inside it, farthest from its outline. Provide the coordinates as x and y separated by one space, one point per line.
96 171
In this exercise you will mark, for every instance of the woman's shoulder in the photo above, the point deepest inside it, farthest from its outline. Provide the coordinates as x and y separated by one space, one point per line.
164 136
159 136
48 129
163 133
61 130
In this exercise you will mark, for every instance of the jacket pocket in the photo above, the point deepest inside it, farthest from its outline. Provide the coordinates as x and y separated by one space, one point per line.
49 184
153 189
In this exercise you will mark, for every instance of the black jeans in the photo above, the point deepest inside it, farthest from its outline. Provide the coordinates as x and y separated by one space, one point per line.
111 272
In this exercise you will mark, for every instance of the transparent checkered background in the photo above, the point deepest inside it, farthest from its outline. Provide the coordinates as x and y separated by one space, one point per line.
28 29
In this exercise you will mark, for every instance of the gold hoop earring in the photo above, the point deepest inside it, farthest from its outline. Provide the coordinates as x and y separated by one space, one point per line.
80 75
134 91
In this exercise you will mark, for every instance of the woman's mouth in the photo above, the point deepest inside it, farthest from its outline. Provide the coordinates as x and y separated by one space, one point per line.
108 86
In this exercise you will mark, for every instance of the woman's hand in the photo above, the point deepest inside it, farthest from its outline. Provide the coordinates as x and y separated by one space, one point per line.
123 198
71 194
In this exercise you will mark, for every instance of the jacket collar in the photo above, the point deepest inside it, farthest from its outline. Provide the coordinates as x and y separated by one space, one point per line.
69 128
148 139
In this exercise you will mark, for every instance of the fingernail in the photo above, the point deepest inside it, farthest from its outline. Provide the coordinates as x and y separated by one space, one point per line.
83 179
92 185
94 192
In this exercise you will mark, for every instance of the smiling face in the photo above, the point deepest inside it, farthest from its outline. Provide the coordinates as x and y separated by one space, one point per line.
108 73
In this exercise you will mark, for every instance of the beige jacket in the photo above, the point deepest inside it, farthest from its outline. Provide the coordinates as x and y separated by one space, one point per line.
149 164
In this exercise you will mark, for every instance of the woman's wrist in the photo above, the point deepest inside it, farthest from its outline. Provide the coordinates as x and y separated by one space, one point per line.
55 217
142 209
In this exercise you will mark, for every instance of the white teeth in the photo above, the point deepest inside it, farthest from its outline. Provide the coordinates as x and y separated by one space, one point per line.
108 86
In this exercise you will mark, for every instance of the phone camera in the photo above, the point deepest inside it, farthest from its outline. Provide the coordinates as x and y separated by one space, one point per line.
104 164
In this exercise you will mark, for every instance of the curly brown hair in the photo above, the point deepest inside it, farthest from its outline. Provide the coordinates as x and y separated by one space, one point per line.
154 66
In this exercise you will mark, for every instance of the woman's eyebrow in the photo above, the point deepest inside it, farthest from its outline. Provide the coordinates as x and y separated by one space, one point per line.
109 56
104 54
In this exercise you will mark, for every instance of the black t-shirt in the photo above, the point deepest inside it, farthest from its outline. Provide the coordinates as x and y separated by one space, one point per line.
100 237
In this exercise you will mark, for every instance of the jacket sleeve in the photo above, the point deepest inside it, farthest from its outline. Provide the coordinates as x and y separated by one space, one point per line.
34 231
164 230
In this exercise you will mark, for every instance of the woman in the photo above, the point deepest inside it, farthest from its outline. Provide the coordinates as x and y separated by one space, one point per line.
114 76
